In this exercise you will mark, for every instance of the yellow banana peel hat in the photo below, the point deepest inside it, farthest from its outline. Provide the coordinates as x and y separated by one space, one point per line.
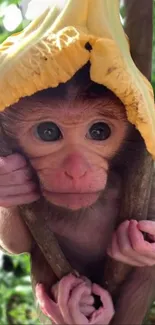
53 47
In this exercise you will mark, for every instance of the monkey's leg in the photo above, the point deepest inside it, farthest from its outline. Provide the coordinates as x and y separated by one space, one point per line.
137 294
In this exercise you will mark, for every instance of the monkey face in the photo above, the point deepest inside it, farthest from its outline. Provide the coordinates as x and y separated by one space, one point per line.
70 144
70 134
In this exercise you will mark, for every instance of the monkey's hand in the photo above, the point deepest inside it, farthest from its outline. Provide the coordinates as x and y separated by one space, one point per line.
73 302
16 186
130 246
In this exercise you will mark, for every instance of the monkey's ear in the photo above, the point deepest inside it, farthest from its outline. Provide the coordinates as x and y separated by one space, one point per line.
53 47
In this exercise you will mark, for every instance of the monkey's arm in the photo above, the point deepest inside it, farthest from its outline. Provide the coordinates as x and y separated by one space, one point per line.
138 291
137 294
15 237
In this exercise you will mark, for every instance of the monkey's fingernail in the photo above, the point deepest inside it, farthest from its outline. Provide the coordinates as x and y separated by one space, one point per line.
134 222
38 285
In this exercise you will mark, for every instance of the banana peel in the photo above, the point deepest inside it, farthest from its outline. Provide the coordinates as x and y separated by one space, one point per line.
53 47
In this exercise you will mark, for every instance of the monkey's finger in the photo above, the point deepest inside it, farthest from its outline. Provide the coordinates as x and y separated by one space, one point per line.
134 233
16 177
47 306
119 239
124 241
66 285
86 280
55 288
104 314
87 300
100 317
115 253
18 189
11 163
86 310
54 291
13 201
97 317
127 260
104 297
124 245
141 246
147 226
74 304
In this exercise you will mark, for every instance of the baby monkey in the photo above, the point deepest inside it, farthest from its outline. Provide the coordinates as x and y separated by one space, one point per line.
75 138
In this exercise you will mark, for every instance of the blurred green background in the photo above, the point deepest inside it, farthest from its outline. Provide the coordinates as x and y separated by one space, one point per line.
17 304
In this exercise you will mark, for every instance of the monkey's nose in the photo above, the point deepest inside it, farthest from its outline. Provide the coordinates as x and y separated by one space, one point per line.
75 166
75 175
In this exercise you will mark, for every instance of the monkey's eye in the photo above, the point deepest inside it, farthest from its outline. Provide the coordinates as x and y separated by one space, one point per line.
99 131
48 131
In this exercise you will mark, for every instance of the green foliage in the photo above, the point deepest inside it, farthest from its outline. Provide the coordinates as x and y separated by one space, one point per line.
3 32
9 2
17 303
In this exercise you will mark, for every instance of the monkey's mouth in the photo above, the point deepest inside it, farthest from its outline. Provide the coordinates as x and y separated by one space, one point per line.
72 201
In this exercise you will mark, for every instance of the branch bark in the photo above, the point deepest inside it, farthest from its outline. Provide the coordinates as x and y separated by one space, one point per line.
139 28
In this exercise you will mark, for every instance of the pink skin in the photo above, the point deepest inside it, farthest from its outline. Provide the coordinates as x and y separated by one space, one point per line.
79 183
73 302
16 186
129 245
